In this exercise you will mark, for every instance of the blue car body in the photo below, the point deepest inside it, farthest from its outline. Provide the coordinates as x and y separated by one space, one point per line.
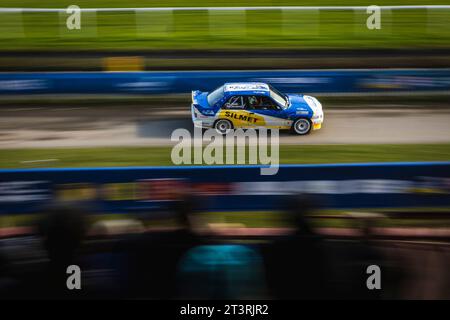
256 105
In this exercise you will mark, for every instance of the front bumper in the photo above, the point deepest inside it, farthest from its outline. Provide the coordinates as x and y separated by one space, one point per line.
317 120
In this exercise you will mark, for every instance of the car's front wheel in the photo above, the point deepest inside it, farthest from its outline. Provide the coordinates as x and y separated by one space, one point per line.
301 126
223 126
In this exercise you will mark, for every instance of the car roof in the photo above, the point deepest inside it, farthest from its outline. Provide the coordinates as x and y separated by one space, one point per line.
246 88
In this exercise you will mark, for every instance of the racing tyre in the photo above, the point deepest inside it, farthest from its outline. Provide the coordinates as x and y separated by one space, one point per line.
223 126
301 126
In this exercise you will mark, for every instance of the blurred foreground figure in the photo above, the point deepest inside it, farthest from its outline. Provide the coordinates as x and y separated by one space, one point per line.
62 231
297 265
178 264
221 272
151 258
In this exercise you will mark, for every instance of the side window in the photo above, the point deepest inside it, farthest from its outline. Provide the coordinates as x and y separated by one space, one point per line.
261 103
235 102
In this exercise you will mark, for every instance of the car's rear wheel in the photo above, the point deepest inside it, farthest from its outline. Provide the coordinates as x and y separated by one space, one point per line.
301 126
223 126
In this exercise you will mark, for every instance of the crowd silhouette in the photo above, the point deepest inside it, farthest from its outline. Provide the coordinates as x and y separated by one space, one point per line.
181 263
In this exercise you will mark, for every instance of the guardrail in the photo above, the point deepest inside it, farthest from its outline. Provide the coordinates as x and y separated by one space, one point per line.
228 188
292 81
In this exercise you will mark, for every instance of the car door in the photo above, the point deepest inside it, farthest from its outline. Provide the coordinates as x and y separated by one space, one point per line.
263 106
235 110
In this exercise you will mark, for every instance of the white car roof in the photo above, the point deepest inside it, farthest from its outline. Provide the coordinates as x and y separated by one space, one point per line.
246 86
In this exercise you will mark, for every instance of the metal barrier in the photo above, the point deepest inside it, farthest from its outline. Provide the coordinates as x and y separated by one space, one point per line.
291 81
228 188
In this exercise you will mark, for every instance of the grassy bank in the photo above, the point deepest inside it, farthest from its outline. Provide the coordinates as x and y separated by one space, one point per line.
160 156
218 30
206 3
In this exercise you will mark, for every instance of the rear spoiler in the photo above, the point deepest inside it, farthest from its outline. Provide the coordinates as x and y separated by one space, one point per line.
194 94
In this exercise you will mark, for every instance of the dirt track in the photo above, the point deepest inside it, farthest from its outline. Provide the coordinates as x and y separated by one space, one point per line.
104 126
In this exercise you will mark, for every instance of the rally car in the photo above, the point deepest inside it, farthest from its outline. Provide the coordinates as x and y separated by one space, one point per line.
255 105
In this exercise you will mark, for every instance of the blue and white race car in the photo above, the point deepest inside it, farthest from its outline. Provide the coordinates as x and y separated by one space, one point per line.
255 105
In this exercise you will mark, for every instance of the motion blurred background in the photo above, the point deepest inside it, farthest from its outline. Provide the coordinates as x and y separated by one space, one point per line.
111 93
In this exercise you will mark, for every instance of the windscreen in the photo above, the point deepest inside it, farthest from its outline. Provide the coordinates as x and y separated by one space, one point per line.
278 97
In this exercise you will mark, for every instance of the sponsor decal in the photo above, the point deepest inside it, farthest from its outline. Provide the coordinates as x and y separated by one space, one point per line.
76 192
23 85
21 191
119 191
242 118
161 189
246 86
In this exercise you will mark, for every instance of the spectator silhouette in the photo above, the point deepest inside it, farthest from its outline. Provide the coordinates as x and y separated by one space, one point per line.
296 265
221 271
61 230
152 258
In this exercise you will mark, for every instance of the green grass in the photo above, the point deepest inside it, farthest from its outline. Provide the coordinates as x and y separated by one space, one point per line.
160 156
250 30
205 3
252 219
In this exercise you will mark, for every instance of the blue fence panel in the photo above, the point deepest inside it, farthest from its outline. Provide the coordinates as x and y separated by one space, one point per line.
289 81
226 188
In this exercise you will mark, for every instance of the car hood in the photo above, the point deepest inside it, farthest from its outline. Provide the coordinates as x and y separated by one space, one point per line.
298 105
